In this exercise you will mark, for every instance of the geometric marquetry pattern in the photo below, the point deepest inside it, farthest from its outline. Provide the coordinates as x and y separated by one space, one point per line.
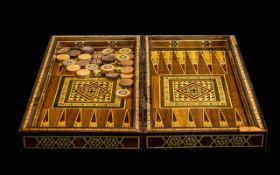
205 141
87 92
193 90
91 91
180 91
80 142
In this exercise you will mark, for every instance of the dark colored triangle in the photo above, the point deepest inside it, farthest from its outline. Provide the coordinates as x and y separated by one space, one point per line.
195 67
238 118
206 119
174 119
110 118
126 117
190 117
224 66
158 119
183 67
176 67
78 119
190 69
63 116
222 117
210 68
203 68
217 69
93 118
46 118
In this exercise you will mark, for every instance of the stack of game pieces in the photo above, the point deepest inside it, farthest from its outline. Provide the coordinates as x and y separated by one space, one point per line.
86 61
125 60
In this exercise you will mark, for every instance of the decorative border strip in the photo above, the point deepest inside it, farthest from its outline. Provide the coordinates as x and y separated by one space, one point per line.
81 142
246 82
204 141
38 83
148 83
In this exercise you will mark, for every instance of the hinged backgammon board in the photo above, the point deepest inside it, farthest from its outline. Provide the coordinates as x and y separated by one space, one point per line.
143 93
81 100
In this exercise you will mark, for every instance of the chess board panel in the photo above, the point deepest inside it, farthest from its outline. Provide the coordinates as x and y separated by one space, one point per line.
198 94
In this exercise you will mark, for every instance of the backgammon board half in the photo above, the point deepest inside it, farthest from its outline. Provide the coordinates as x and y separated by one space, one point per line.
132 92
199 95
80 101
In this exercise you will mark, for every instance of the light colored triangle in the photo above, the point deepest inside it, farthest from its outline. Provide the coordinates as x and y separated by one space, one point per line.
221 57
174 120
194 57
191 122
155 60
93 120
62 119
158 120
167 55
163 65
181 55
206 120
78 120
207 56
238 119
110 119
126 120
46 120
223 120
155 57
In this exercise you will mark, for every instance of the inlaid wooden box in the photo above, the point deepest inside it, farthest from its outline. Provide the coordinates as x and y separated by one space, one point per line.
189 92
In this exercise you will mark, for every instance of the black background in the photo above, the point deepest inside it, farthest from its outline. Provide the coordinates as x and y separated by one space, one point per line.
28 35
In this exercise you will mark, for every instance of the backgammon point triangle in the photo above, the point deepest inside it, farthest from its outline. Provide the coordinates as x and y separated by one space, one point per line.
46 120
158 120
223 120
110 120
62 120
78 121
174 120
206 120
126 121
93 121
